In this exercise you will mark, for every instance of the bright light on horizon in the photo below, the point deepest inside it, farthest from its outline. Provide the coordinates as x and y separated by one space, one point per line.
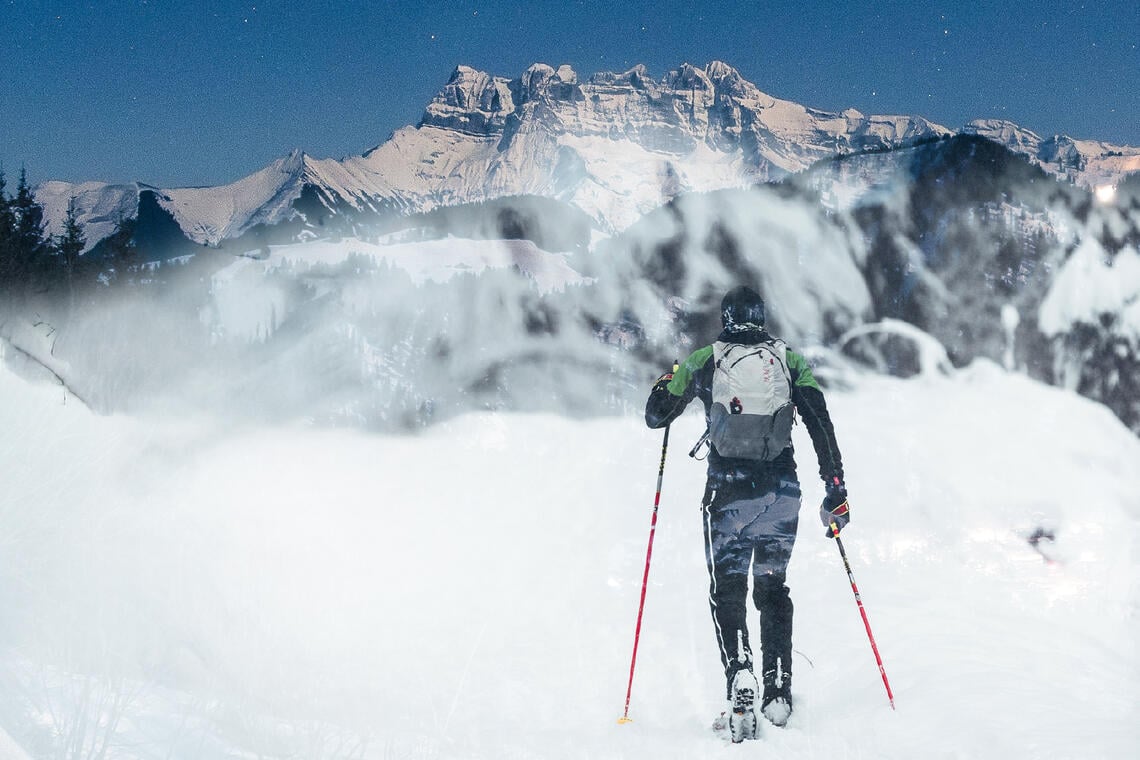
1106 193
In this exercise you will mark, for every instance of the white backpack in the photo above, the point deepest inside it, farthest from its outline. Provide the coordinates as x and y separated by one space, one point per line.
752 412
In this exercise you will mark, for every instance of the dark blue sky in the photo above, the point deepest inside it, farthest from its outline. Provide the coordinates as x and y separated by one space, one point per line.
203 93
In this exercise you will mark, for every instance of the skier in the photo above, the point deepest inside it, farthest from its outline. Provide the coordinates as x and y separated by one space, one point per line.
752 495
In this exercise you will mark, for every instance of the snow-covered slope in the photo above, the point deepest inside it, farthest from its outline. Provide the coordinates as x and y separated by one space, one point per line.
471 591
99 207
212 214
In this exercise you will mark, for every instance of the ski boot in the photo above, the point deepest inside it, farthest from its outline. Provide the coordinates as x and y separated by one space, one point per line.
776 704
742 721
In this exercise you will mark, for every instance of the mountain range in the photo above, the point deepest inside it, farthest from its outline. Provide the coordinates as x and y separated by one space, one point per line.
614 145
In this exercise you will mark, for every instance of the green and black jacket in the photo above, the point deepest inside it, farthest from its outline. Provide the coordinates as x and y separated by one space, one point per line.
693 379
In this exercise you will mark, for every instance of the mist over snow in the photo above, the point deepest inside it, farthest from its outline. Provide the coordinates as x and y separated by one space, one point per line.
397 332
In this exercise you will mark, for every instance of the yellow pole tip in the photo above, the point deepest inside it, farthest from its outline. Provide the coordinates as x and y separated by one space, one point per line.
625 719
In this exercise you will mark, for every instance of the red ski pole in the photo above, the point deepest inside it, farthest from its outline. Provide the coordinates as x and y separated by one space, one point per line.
645 578
863 612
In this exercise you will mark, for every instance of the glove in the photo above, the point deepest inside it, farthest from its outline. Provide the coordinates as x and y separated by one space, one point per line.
662 382
835 508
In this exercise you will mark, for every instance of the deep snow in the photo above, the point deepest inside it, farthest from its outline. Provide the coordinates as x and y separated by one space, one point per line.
471 592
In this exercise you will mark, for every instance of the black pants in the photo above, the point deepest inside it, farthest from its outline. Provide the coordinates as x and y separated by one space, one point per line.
752 536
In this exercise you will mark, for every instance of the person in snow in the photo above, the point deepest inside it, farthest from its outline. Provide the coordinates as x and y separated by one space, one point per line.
752 500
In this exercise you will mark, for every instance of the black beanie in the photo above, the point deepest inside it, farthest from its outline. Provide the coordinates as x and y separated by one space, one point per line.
742 306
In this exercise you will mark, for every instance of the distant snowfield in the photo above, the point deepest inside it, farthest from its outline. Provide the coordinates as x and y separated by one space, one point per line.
471 592
245 304
440 260
425 260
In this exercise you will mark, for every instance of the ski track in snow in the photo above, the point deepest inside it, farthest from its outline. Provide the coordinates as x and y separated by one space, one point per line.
471 592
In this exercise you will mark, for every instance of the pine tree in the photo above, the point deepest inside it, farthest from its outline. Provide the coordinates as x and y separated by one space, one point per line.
32 255
121 251
7 240
68 247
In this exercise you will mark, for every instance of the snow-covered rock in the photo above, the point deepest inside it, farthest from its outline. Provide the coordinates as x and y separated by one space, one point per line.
1095 288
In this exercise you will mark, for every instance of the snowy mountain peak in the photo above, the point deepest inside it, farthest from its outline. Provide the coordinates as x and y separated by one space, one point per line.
688 77
636 77
729 81
292 164
471 101
544 82
567 74
535 78
721 70
1005 132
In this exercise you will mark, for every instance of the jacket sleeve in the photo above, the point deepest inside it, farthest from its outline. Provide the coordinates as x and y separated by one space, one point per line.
809 401
667 401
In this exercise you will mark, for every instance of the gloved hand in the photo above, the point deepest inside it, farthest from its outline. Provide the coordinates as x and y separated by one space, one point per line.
662 382
835 508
